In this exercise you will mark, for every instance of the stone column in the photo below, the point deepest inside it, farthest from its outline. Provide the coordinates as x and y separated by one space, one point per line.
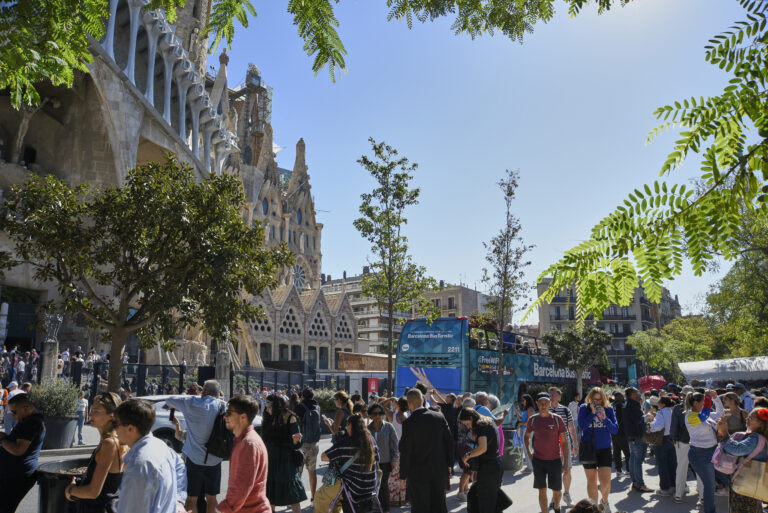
172 52
156 27
109 37
223 372
134 8
50 347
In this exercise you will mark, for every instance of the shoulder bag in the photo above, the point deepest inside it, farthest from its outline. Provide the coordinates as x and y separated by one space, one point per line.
751 477
334 472
653 437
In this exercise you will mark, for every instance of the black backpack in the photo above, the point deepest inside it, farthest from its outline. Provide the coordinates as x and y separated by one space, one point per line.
220 442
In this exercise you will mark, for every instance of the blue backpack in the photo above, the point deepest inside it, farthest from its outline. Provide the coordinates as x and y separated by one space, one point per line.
311 425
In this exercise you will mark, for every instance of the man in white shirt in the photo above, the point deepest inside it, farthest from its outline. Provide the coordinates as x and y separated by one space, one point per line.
154 479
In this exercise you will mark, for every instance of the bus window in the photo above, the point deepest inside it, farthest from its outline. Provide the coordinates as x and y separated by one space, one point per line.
493 339
476 338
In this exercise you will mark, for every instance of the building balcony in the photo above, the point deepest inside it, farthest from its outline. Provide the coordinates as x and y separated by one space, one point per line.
619 317
645 301
563 299
648 319
621 334
561 317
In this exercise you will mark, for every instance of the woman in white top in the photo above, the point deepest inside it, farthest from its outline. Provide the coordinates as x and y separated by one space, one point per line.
666 460
701 422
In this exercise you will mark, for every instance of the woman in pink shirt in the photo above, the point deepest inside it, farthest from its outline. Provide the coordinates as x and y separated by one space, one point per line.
247 488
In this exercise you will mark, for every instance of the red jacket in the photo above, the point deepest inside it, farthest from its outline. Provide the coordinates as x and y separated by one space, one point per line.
247 489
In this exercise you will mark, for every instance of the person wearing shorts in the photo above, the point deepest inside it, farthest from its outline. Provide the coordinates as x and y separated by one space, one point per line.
549 448
570 431
597 421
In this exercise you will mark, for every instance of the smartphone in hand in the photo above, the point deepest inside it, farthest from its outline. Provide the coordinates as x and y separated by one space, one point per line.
172 414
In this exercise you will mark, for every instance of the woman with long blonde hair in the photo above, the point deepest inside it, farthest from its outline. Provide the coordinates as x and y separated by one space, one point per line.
597 422
96 491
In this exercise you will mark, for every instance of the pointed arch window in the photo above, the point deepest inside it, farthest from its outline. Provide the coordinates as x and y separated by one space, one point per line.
264 206
298 216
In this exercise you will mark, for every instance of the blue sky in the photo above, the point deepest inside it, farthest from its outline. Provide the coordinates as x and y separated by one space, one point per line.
570 109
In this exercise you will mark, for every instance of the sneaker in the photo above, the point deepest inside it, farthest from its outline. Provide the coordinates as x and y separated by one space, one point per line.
678 500
461 497
567 499
722 492
641 489
663 493
604 507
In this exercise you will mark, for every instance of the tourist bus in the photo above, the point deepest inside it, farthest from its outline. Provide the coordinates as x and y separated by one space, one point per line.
456 356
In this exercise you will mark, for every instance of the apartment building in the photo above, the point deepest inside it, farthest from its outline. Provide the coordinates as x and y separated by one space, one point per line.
620 321
372 323
457 300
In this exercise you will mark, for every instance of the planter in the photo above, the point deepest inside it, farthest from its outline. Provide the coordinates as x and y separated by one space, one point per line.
59 432
52 484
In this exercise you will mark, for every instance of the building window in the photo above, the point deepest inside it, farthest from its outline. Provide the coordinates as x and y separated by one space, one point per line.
614 327
436 302
283 352
298 216
557 313
451 302
323 360
295 352
627 328
624 311
281 234
312 356
265 351
271 233
264 206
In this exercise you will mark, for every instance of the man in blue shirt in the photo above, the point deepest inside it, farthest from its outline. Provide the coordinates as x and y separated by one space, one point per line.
19 452
154 478
203 469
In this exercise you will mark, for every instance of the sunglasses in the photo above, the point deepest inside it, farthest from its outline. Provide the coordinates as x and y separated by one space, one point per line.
377 413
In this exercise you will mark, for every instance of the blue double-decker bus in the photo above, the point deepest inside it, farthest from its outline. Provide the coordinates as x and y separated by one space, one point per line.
457 356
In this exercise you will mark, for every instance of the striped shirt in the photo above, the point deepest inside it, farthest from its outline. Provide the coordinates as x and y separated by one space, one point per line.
564 414
360 482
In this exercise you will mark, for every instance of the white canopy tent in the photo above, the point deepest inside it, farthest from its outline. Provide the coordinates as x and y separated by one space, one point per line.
737 369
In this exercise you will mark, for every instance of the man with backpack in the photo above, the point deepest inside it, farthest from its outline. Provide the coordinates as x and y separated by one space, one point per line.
310 419
203 469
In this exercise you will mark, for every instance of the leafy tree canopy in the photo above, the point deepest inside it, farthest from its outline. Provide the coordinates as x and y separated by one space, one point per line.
158 254
395 281
648 237
48 40
577 348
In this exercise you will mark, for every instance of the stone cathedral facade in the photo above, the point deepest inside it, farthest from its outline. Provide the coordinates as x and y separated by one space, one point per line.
148 92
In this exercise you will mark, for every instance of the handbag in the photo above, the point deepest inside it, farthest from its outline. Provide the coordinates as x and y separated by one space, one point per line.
334 473
653 437
724 462
751 477
298 457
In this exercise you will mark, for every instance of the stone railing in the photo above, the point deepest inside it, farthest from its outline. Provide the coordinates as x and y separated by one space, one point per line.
178 75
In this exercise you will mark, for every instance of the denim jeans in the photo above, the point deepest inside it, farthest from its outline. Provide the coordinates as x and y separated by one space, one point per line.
701 461
637 449
666 461
80 423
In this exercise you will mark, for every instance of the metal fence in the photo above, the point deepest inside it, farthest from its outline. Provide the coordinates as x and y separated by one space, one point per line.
145 379
248 379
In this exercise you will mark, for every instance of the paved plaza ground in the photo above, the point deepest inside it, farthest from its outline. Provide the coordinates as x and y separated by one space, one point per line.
518 486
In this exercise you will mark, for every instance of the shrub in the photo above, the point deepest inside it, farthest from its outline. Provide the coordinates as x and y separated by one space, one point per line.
55 398
324 397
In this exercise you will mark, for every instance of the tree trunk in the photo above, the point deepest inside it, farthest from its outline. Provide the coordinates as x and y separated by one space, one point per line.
500 377
119 339
390 315
579 383
18 141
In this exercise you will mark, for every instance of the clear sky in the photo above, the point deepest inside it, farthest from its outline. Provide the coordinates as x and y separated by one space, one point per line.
569 108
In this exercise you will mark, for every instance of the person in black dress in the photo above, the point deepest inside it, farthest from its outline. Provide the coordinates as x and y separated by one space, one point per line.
281 436
483 494
96 491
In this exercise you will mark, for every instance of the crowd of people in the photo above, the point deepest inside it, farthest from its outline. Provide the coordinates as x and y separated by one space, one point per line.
390 451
